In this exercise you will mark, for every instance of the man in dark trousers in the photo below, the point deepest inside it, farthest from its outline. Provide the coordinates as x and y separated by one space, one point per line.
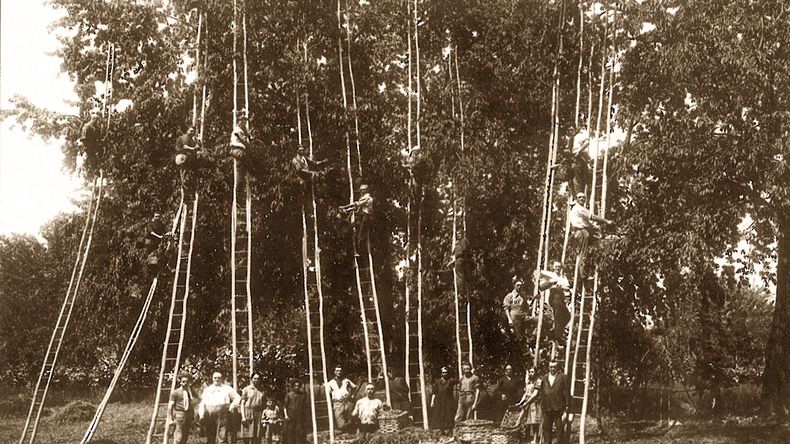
181 410
555 394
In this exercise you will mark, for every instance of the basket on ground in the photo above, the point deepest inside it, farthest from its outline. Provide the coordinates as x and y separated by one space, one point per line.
474 430
345 439
512 418
393 421
505 436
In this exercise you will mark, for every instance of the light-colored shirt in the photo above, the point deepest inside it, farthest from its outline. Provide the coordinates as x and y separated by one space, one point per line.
513 301
551 378
224 394
364 204
560 282
339 392
252 398
580 217
581 141
238 137
367 410
470 384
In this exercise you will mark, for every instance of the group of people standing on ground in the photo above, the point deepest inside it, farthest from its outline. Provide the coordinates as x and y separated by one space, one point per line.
542 400
225 416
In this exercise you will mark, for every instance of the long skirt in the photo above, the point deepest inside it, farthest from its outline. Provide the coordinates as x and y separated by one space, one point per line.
252 427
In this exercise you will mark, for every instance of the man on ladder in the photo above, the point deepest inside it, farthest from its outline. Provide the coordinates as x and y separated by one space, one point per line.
362 208
90 143
304 167
240 139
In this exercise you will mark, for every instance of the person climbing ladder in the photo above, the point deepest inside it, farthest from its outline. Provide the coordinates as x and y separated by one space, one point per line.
90 142
361 209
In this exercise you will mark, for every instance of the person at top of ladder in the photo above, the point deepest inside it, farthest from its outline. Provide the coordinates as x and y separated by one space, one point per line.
577 159
362 208
559 288
90 142
304 167
187 147
181 410
240 138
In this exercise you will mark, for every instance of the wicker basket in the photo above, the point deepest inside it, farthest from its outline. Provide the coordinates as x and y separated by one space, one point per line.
505 436
345 439
512 418
473 430
393 421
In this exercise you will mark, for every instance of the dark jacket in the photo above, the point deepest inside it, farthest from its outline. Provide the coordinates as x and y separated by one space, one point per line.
555 397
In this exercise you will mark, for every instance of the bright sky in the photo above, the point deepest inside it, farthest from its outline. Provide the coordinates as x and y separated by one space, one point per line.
33 185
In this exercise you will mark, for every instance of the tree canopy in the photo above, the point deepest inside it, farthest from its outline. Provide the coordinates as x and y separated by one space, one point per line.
703 97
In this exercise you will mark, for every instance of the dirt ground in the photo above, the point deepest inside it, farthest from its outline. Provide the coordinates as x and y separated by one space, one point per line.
127 423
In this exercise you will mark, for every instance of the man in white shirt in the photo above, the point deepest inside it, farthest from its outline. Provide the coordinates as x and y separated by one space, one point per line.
217 401
367 411
581 221
559 295
339 389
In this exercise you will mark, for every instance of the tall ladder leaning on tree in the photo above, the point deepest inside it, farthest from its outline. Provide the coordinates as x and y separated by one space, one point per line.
363 263
545 223
64 316
241 216
321 417
464 346
588 307
415 365
138 326
186 220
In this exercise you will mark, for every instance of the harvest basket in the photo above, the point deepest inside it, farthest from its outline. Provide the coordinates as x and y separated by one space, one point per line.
393 421
473 430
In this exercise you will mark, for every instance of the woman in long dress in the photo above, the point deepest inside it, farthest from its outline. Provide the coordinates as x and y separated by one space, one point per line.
532 412
252 403
443 403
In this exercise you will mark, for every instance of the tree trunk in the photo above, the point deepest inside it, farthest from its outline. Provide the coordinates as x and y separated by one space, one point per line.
776 376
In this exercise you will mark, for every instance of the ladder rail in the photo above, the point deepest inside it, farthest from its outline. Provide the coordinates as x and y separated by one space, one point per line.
319 275
121 364
379 327
174 294
587 369
543 244
61 324
60 317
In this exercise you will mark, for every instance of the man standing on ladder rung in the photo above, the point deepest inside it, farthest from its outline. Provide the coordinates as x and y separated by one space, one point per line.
582 222
362 208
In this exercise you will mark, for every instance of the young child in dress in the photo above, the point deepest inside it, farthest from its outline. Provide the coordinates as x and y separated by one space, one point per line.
271 422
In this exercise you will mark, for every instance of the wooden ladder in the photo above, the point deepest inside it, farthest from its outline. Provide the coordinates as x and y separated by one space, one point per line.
177 316
64 316
415 364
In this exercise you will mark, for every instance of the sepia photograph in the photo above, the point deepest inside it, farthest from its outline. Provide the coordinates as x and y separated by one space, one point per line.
394 221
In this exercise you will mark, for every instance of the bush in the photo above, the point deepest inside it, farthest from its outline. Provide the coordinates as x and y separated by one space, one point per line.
75 411
14 405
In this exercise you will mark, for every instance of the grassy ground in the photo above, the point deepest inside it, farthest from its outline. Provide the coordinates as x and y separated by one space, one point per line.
127 423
